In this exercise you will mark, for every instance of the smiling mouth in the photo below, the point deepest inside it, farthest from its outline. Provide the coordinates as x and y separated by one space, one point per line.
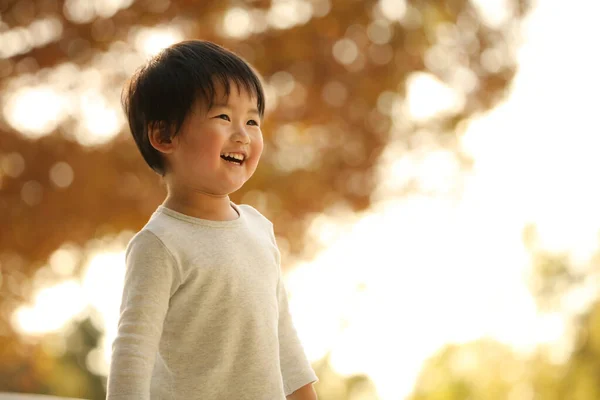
237 159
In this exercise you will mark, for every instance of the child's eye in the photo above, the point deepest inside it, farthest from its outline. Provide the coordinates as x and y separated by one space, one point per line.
224 116
252 122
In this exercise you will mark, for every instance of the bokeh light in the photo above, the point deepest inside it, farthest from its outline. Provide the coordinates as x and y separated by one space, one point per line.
345 51
237 23
393 9
149 41
35 111
427 97
39 33
61 174
53 307
82 12
284 14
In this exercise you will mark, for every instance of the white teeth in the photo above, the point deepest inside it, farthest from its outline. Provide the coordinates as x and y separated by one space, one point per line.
237 156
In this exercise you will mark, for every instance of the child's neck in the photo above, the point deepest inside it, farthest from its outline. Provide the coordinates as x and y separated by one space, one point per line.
202 206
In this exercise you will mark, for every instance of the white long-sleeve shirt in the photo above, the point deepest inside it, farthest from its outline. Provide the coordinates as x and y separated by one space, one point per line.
204 313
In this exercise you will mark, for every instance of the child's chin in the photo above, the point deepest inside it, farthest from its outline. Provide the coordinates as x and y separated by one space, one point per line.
233 187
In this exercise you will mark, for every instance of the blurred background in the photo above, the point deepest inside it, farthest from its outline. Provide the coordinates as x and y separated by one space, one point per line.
430 168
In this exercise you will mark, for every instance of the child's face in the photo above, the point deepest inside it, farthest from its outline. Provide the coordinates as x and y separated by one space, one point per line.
201 159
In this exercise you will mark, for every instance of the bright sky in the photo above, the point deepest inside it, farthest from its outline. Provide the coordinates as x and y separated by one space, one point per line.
395 285
435 270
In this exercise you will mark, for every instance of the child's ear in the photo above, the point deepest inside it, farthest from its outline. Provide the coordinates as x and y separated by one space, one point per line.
159 138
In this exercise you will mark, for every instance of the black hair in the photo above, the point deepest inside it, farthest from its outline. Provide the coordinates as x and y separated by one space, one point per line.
162 92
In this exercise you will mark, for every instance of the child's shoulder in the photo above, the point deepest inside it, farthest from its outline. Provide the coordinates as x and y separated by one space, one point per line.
148 249
253 213
145 238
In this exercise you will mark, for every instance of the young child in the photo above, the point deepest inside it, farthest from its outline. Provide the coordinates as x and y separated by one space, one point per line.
204 313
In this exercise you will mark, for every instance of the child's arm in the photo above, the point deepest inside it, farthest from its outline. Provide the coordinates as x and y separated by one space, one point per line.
150 279
306 392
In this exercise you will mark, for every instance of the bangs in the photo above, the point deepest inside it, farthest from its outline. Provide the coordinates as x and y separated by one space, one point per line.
208 93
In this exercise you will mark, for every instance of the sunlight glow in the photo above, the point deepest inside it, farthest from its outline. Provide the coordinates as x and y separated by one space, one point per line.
64 261
414 252
101 121
493 12
52 309
418 273
82 12
427 97
39 33
103 284
285 14
35 112
150 41
36 109
393 10
237 23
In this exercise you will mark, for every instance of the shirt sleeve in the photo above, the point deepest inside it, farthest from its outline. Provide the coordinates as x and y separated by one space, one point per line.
150 279
295 367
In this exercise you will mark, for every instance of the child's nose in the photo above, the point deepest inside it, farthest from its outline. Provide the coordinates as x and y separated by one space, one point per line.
241 136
